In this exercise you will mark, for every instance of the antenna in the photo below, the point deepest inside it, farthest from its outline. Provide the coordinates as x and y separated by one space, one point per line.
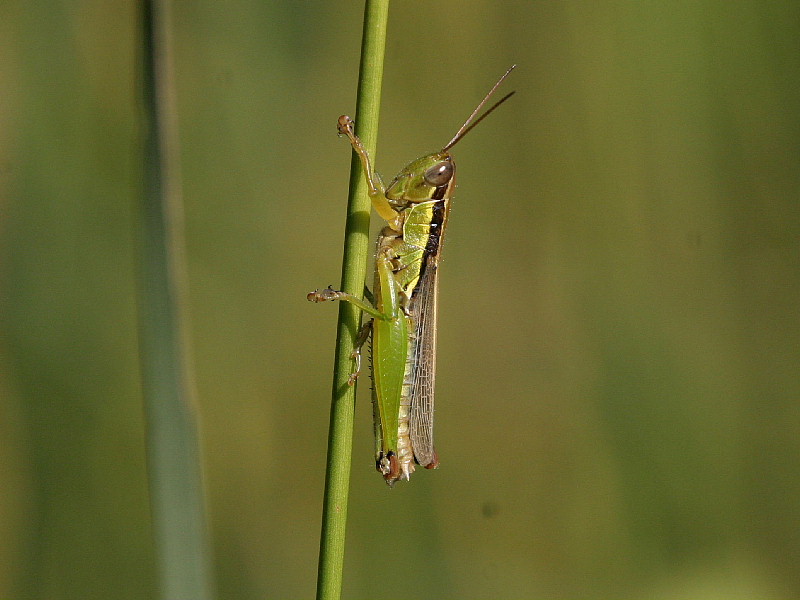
469 123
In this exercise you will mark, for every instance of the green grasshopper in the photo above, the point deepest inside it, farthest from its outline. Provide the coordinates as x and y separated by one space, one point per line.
415 206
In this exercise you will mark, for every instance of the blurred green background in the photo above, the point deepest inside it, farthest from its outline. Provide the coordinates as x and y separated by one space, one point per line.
618 393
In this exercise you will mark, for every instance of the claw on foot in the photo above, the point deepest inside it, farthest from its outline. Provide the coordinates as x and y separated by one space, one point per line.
323 295
355 356
345 125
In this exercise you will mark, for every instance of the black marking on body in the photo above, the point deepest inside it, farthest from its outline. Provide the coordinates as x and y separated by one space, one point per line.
435 232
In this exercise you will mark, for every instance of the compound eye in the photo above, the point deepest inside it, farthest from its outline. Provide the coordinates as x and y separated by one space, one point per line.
439 174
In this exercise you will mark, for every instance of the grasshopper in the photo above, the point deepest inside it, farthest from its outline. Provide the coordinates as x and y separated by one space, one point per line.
415 206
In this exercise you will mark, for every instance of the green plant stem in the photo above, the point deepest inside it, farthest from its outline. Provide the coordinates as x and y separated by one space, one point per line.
176 491
354 269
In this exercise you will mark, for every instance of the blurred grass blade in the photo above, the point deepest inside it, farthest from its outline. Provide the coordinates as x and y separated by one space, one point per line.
354 270
176 491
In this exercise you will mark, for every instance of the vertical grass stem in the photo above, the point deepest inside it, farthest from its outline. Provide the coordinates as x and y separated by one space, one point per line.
354 268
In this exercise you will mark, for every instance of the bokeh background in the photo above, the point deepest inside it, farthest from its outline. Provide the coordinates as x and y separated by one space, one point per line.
618 393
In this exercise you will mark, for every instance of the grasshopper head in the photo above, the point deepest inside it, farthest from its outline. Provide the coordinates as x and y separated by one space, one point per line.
433 176
420 179
430 177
